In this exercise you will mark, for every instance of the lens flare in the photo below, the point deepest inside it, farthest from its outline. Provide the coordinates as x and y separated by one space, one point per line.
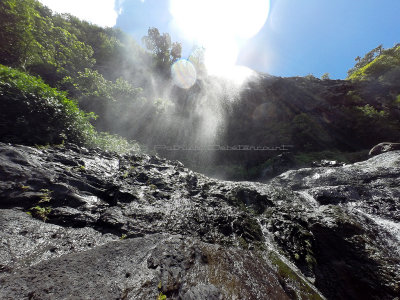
183 74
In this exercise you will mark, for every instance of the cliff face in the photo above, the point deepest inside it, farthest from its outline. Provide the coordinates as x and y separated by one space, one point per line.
78 223
318 119
328 113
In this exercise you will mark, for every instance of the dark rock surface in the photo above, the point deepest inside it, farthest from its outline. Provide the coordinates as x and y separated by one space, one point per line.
85 224
384 147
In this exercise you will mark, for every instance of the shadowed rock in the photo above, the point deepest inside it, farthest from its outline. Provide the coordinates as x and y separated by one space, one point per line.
384 147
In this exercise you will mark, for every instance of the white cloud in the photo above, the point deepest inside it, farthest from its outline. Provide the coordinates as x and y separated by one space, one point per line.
99 12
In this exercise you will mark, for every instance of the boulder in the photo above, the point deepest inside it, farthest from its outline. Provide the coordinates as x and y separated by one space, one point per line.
384 147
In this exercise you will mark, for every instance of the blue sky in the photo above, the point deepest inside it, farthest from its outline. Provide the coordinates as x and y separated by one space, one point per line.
300 37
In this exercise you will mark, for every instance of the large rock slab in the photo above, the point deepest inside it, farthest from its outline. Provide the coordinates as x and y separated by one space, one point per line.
79 223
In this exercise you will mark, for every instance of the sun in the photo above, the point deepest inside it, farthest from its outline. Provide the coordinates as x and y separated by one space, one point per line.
220 26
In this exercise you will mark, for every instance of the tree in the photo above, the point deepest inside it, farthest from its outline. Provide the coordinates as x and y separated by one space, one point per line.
197 59
111 101
31 41
176 51
69 54
160 45
378 64
368 58
325 76
37 113
18 20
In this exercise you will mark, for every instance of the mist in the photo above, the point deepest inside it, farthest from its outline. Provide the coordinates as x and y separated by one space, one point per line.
201 108
184 124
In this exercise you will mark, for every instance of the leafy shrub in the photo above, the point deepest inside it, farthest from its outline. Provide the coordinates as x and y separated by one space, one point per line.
115 102
31 112
113 142
34 113
371 112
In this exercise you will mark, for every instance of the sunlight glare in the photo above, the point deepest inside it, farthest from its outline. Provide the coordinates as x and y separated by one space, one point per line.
239 74
220 26
99 12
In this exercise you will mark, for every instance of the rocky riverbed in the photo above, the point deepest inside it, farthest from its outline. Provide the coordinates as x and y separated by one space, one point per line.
87 224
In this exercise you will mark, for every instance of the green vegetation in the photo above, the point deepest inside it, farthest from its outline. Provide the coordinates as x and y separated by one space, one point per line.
378 64
33 41
397 101
161 296
80 168
109 100
325 76
67 80
310 77
79 65
113 142
165 52
40 212
290 278
46 196
342 123
307 133
35 113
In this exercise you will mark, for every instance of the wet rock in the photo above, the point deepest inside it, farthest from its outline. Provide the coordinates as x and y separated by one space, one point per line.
203 291
124 270
87 224
384 147
327 163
